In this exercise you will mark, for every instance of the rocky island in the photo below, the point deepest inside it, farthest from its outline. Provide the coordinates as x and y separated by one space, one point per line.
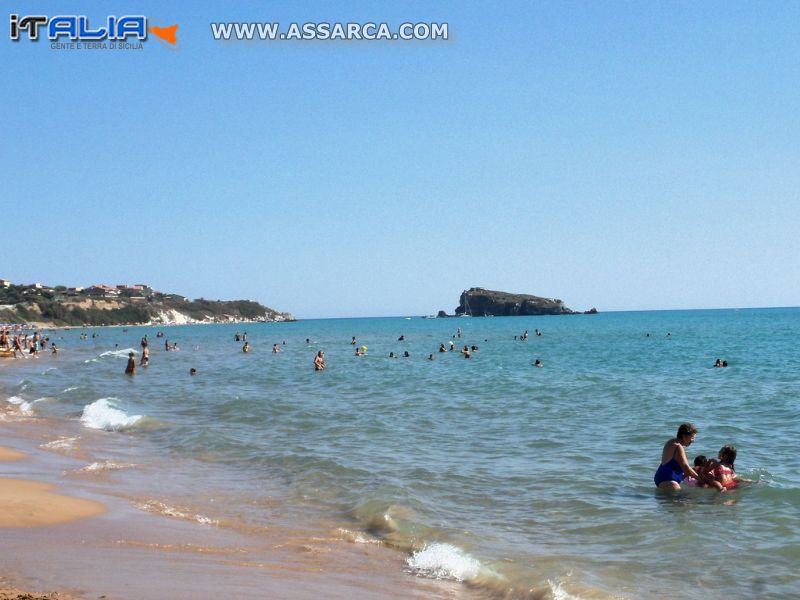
480 302
121 305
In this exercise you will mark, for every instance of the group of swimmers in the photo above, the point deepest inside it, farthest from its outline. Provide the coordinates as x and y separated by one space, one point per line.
130 368
718 473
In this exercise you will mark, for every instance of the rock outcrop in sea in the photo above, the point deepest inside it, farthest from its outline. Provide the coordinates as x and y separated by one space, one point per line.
480 302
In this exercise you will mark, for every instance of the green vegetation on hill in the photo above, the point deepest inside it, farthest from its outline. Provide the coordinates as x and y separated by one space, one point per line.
60 306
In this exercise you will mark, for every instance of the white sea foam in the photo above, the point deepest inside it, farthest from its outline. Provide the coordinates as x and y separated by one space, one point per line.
25 406
105 465
49 370
357 538
559 593
103 414
444 561
64 443
155 506
70 389
120 353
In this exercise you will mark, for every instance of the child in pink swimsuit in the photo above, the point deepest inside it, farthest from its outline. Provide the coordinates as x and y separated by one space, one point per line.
724 472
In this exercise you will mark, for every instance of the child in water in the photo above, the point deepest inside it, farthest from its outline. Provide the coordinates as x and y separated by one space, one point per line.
724 473
701 466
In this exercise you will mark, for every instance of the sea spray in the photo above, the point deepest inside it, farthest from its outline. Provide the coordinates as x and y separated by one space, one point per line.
444 561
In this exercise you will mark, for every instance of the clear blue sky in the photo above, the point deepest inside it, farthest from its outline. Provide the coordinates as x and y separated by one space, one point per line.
623 155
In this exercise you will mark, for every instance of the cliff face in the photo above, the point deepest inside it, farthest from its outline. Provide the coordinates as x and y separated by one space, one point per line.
479 302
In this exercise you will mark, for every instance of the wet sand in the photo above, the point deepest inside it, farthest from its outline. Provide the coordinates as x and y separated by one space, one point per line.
68 539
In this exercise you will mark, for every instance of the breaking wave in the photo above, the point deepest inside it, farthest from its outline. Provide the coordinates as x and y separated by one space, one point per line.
104 414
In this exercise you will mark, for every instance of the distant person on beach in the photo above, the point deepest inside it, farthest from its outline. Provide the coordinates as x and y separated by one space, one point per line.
145 357
55 348
166 345
674 465
452 346
275 348
308 340
465 352
430 356
130 369
246 347
192 371
538 363
391 355
353 341
144 342
720 363
401 338
319 361
442 348
406 354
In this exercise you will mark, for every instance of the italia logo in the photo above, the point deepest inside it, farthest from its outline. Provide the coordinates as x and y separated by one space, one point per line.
77 28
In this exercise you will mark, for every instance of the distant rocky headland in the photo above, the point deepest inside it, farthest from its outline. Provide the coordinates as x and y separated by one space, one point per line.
124 304
479 302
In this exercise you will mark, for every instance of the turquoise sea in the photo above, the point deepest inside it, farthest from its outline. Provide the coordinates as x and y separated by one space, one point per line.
517 481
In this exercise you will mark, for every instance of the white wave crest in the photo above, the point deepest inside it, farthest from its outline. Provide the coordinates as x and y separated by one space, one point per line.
444 561
102 414
121 353
70 389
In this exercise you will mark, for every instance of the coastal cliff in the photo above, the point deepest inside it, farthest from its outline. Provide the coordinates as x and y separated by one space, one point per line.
123 305
479 302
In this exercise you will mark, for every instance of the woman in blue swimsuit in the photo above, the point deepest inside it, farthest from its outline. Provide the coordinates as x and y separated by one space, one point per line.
674 465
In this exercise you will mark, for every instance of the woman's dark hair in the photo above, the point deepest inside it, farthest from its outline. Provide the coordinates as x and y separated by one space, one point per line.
727 454
686 429
700 461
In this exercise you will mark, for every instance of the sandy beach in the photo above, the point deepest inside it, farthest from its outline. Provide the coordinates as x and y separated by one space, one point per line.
62 542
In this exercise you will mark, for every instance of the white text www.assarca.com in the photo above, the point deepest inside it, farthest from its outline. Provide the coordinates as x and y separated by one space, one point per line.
270 32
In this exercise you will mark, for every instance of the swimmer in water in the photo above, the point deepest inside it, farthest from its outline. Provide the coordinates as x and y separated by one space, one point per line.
246 347
319 361
538 363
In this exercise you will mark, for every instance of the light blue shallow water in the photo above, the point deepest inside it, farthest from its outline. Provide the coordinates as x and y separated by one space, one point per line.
499 472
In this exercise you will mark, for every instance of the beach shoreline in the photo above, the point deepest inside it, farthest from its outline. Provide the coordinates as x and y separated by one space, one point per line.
74 542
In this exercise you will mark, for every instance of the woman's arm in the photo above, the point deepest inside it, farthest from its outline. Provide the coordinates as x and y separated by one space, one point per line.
680 456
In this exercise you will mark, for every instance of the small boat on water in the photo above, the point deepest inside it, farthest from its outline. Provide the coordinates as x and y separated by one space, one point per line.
5 353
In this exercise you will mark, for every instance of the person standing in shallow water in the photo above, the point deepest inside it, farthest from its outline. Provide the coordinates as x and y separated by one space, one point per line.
130 369
319 361
674 464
